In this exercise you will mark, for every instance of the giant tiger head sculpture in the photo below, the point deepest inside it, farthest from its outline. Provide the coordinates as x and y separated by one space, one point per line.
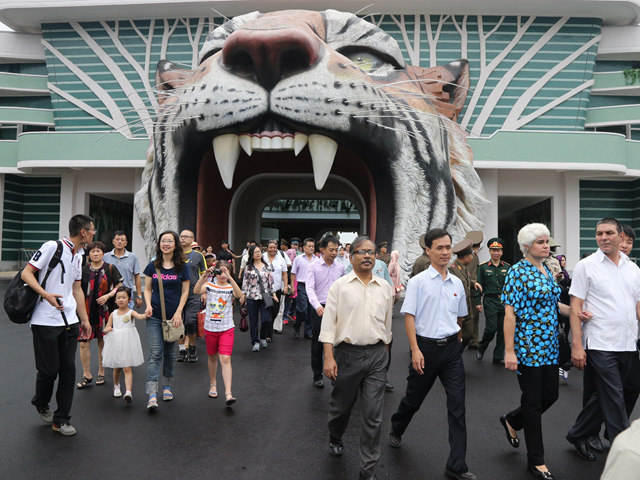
270 84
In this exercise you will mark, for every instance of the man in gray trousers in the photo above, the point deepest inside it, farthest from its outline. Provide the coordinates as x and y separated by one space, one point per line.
356 332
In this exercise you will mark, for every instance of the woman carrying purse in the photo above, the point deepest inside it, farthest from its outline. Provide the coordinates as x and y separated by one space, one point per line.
166 289
257 285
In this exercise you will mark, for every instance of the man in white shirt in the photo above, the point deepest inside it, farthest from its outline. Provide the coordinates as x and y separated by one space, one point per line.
434 307
605 291
54 322
299 272
356 332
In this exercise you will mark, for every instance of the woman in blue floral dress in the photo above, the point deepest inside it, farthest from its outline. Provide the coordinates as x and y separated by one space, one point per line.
530 296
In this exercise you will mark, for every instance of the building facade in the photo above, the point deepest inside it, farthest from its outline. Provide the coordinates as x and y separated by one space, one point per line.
552 114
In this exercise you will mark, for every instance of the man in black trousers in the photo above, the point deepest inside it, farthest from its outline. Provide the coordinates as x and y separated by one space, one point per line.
434 306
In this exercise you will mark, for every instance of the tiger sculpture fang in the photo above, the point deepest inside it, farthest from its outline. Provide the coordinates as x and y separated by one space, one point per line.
269 85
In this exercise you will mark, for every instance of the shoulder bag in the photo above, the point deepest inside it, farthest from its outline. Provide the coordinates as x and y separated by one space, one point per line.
20 300
268 301
169 332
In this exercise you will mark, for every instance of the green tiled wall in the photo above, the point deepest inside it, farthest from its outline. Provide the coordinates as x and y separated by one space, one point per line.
569 115
31 214
603 198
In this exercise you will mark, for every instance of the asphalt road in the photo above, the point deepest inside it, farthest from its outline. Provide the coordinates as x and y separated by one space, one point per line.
277 430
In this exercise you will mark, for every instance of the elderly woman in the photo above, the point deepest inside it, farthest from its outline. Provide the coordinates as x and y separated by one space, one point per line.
530 296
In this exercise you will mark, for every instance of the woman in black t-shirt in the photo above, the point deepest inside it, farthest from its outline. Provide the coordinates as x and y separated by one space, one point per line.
169 262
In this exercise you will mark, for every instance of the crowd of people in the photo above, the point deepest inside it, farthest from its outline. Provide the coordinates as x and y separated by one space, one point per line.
542 319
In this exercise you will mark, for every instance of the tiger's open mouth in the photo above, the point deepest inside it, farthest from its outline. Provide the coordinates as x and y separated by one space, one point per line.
214 164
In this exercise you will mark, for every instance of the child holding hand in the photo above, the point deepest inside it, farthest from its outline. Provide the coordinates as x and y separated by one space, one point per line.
122 348
218 323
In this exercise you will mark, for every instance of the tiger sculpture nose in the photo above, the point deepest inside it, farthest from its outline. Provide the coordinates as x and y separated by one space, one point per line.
270 55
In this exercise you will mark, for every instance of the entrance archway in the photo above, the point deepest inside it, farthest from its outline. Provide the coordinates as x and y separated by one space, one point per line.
251 197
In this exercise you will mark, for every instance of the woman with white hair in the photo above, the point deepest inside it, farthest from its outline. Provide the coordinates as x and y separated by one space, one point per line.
530 296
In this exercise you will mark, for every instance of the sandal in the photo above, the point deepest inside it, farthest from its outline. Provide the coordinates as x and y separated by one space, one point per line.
100 380
167 395
230 400
84 383
213 392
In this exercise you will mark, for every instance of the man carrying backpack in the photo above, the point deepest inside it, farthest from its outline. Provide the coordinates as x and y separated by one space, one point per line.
54 322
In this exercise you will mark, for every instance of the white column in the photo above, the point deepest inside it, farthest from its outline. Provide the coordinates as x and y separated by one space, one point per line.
490 182
68 187
137 241
572 218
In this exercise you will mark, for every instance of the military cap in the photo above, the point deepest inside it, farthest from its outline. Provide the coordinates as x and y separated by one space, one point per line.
295 240
475 236
463 247
495 242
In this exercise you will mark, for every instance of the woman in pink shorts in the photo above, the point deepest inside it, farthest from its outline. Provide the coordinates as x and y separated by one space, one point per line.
218 324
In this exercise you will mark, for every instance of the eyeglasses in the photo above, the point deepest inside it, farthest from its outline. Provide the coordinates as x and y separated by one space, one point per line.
364 252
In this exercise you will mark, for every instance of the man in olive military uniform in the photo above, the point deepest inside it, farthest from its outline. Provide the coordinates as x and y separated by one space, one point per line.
464 256
476 293
423 261
491 276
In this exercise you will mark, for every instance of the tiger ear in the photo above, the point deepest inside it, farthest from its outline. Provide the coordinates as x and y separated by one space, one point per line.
170 76
446 84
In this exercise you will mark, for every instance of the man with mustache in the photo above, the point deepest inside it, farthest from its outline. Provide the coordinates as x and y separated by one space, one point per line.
356 332
434 308
605 291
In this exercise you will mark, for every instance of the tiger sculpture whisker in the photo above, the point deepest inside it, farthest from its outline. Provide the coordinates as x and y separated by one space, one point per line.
272 84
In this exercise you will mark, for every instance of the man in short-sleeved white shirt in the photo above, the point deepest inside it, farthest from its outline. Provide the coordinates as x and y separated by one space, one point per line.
54 339
434 307
605 291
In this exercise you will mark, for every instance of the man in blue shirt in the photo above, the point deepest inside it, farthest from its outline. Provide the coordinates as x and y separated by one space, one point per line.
433 308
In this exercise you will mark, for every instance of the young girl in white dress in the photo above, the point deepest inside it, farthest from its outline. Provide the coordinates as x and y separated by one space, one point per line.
122 348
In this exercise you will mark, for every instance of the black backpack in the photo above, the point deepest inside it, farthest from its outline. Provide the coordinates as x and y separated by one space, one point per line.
20 300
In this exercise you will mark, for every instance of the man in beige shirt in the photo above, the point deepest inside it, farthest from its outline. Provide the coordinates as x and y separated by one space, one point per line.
356 332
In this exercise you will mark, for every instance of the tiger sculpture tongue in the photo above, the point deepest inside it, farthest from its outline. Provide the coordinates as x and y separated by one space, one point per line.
287 80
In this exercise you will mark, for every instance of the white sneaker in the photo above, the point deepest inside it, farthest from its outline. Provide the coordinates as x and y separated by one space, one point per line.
256 347
263 344
116 391
128 397
564 376
64 429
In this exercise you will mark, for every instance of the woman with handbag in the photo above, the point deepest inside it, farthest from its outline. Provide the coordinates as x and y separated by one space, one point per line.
166 288
277 262
99 283
257 286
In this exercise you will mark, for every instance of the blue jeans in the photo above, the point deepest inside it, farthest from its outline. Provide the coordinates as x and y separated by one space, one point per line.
159 352
256 308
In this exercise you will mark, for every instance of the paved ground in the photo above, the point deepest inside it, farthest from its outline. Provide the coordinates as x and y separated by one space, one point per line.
277 430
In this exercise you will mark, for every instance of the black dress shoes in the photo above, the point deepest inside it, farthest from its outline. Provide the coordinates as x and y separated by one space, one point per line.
539 474
582 447
460 476
336 449
595 443
513 441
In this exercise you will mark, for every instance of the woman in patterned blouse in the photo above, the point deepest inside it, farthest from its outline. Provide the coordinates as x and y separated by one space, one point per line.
530 296
257 284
